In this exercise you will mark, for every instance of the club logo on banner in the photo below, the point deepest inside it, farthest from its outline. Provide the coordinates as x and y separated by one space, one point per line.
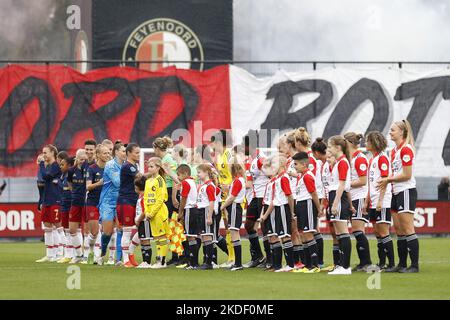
161 30
164 39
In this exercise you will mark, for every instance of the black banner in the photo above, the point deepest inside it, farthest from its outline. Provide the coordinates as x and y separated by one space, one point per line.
181 30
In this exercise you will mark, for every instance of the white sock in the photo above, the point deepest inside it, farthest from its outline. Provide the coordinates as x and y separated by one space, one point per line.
92 240
86 247
57 246
134 243
112 245
68 253
62 241
80 239
48 240
98 245
76 243
126 239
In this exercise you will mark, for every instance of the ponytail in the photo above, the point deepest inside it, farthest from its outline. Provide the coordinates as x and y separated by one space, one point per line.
302 136
353 138
406 128
158 163
341 142
163 143
319 146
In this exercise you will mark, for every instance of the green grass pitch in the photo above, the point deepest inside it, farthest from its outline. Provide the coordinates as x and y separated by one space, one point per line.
22 278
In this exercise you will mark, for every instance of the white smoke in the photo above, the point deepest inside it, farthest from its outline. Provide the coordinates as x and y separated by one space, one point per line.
360 30
27 30
363 30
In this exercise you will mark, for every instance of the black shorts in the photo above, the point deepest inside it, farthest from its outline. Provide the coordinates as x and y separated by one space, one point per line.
383 216
216 218
283 221
169 203
306 213
328 214
205 229
267 227
358 215
144 230
405 201
254 209
344 212
191 222
234 216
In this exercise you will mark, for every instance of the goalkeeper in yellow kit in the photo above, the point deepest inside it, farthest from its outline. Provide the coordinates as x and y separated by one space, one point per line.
223 155
155 196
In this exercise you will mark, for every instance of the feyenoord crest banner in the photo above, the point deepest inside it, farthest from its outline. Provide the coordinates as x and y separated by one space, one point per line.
175 30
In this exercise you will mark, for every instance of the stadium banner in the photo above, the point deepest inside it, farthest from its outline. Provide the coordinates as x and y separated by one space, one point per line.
24 219
334 100
168 30
59 105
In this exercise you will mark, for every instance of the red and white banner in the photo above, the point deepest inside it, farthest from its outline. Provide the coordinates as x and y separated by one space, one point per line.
23 219
20 220
58 105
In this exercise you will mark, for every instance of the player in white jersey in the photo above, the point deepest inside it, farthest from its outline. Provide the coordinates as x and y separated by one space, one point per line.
303 144
340 202
256 181
358 193
378 201
203 155
188 208
307 209
286 146
267 215
319 150
283 203
404 195
233 207
206 199
280 211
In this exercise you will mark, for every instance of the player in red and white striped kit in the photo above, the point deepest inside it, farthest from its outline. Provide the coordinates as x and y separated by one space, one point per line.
379 200
404 195
358 193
